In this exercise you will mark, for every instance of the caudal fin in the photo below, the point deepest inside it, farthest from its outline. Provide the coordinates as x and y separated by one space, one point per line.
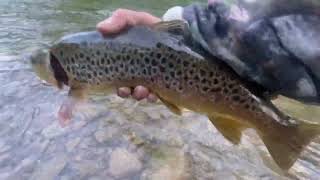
286 146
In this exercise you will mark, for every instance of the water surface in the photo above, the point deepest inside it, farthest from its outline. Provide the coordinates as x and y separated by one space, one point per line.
111 138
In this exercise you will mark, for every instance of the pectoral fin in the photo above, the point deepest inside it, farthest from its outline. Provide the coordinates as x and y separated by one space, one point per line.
75 96
177 27
173 108
230 129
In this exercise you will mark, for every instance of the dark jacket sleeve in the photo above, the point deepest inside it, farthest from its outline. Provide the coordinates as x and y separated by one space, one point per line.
282 54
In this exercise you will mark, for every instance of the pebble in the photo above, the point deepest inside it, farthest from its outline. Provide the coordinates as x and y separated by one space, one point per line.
123 163
49 170
70 145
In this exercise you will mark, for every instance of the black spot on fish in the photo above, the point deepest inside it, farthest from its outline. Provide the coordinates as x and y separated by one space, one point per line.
218 89
89 76
81 55
158 45
98 53
72 60
211 74
171 65
159 55
172 74
203 72
186 63
154 62
236 98
154 70
205 89
196 78
114 60
235 91
163 60
95 74
147 60
102 61
132 62
215 81
162 69
179 73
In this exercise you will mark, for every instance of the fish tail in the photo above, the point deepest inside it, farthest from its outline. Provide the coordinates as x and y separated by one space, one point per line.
286 146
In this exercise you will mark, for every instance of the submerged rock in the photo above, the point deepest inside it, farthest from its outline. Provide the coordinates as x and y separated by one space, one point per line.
123 163
122 139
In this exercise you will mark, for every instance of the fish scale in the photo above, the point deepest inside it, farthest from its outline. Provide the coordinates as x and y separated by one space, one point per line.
88 63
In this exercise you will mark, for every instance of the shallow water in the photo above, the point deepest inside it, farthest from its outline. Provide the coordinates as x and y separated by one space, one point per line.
111 138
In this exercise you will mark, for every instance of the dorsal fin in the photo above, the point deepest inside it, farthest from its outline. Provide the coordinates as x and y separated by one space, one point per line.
177 27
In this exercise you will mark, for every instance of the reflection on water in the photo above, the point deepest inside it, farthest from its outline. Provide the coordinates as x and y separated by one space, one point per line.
111 138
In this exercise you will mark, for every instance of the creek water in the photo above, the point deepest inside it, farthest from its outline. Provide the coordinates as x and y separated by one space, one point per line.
112 138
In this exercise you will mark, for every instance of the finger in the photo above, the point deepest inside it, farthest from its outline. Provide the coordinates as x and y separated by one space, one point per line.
152 98
112 25
124 92
140 93
122 18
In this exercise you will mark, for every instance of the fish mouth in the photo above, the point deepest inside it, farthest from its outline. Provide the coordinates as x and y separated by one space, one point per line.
59 73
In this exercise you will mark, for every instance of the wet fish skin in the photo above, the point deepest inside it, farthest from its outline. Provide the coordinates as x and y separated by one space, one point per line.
182 79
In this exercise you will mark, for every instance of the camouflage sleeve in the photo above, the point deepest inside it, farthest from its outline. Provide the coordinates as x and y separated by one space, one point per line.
264 51
210 26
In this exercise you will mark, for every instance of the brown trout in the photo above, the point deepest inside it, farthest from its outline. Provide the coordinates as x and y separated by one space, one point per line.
156 58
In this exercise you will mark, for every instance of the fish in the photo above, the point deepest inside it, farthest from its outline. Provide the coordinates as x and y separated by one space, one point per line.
158 58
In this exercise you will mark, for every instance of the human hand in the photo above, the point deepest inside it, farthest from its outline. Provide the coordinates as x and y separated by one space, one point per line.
121 19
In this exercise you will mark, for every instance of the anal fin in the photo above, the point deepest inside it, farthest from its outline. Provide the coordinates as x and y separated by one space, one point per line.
229 128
